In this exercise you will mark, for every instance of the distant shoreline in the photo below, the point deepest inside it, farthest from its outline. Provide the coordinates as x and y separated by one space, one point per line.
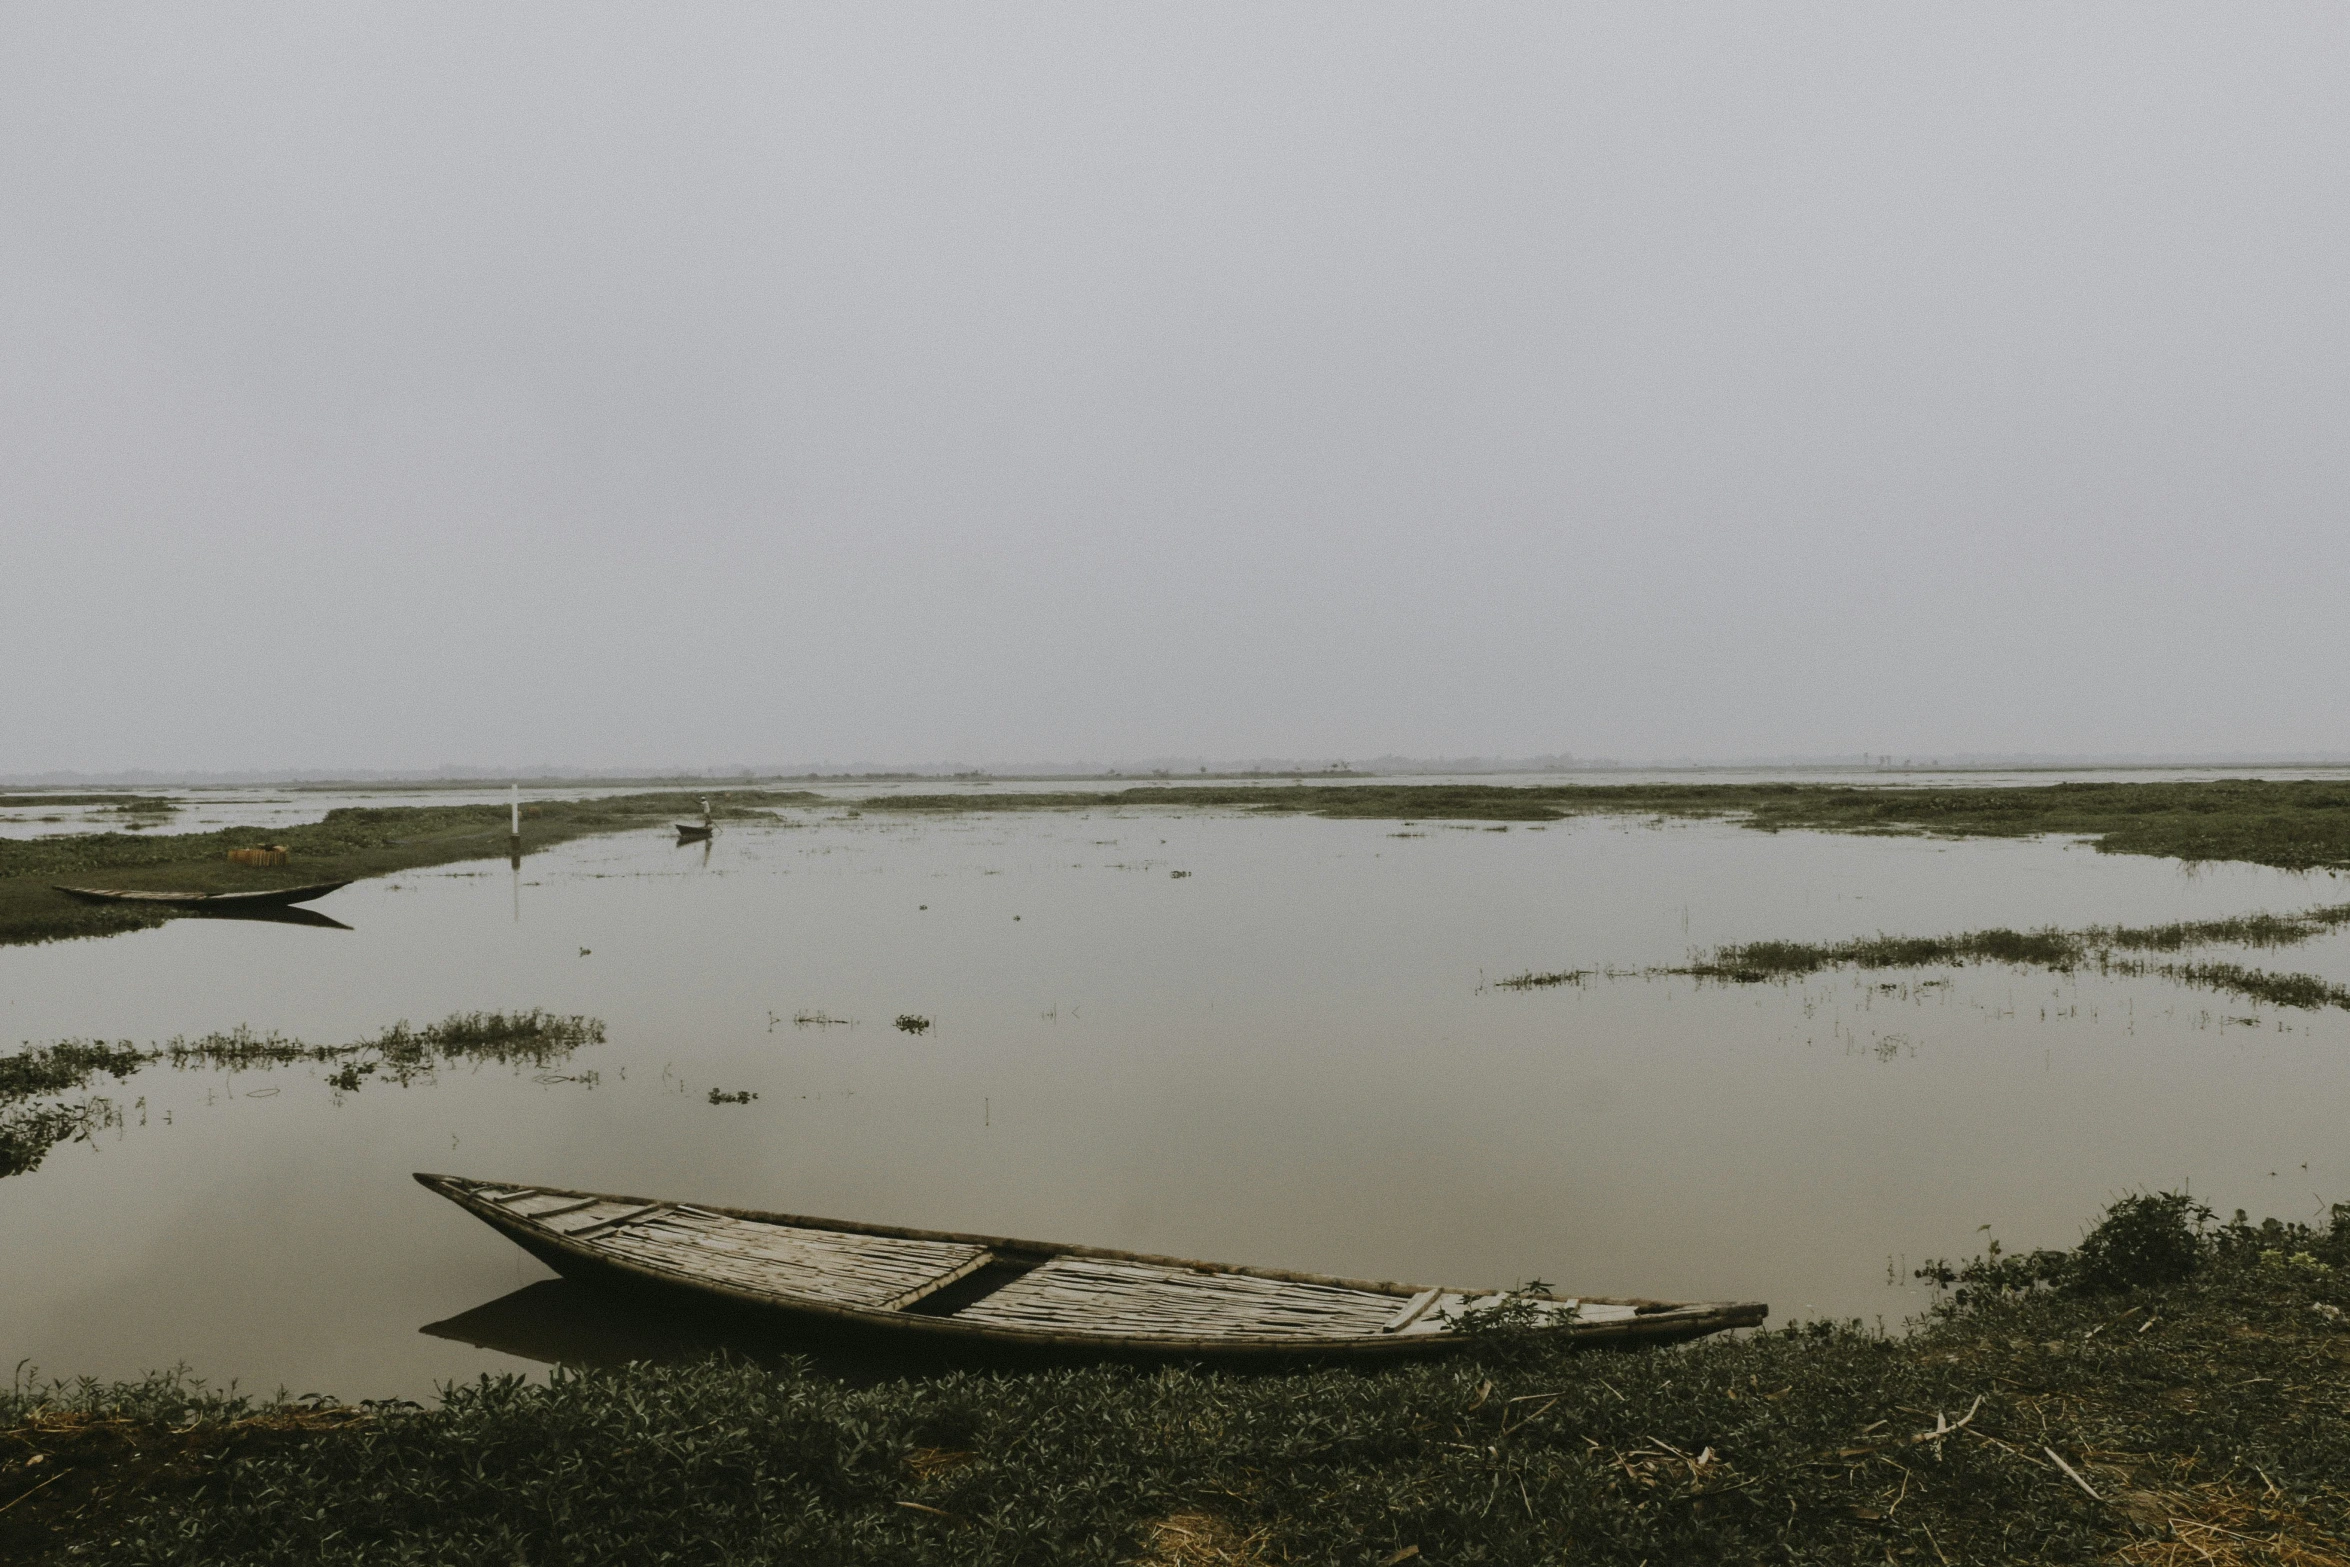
546 776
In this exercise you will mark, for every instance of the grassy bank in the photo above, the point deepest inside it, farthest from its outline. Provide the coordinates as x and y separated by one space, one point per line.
2169 1392
2296 825
347 845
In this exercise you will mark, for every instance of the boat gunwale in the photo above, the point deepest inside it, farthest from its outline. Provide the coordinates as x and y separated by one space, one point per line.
1676 1320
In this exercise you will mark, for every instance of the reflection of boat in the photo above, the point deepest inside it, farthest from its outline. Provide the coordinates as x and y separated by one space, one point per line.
275 914
988 1291
223 901
557 1321
688 833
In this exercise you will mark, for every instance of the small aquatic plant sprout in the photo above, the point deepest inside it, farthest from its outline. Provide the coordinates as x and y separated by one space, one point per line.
911 1023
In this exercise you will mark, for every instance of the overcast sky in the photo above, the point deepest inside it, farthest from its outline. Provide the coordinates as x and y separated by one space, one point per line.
405 385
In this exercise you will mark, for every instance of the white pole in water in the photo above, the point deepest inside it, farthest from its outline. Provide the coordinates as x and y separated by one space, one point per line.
514 842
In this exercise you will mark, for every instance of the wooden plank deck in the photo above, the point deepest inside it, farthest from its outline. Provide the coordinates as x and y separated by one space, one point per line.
778 1260
1090 1295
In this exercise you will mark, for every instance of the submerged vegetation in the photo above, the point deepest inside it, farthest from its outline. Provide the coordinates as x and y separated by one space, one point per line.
534 1038
2295 825
2048 948
346 845
29 1130
2062 950
71 1063
2279 990
2169 1391
1533 981
404 1055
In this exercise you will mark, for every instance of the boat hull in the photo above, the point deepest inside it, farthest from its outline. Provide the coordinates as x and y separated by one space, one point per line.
278 897
598 1265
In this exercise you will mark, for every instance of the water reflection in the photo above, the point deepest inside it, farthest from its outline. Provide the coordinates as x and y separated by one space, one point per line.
557 1322
276 914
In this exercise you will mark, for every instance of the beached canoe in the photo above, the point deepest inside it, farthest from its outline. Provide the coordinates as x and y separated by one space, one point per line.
991 1291
208 900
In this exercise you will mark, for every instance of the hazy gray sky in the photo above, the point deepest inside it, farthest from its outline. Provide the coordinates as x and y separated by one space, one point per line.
398 385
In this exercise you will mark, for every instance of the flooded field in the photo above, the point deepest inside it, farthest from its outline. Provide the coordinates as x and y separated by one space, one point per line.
1264 1040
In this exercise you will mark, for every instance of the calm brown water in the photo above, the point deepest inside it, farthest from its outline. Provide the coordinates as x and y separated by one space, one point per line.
1285 1057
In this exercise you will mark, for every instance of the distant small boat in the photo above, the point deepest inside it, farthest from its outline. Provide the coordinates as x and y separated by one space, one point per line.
275 898
688 832
983 1291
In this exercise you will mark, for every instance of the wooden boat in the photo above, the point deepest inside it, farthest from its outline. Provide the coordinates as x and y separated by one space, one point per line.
992 1291
687 833
276 898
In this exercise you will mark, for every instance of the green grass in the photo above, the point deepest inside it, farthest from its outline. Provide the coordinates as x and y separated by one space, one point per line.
349 844
2296 825
2193 1376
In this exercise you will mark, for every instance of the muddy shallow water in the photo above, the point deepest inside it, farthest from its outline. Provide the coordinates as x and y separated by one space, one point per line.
1288 1054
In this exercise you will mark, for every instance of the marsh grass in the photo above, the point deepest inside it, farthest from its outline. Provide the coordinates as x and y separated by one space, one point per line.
400 1054
70 1063
2195 1386
241 1050
348 844
1533 981
535 1038
2060 950
2292 824
2281 990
